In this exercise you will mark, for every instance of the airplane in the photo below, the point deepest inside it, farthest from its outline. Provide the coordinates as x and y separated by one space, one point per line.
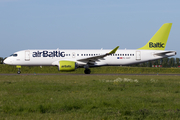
69 60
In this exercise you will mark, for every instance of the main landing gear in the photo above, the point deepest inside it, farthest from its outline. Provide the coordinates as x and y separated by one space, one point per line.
19 69
87 71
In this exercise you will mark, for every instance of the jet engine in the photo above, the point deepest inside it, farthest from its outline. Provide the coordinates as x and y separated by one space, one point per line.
67 65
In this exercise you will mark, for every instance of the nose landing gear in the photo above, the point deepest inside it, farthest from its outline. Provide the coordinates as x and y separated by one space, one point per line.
19 69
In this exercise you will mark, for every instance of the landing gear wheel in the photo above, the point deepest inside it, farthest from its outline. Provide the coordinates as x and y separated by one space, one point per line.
87 71
19 71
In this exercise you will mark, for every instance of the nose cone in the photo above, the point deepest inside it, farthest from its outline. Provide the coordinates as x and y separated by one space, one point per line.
7 61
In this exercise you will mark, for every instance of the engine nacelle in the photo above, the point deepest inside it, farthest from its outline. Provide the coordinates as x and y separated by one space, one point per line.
67 65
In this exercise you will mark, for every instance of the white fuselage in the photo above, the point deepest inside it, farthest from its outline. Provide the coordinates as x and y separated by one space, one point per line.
51 57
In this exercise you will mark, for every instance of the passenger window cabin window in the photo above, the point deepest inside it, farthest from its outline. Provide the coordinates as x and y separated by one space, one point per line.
81 54
77 54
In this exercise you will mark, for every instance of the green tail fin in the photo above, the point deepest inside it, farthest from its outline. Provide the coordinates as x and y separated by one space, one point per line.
158 41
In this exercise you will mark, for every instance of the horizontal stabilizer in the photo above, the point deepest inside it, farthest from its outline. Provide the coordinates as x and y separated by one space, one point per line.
165 53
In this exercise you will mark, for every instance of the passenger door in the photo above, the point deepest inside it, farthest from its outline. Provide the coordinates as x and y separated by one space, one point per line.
138 55
27 55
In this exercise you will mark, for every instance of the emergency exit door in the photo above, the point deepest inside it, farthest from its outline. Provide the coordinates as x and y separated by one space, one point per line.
73 55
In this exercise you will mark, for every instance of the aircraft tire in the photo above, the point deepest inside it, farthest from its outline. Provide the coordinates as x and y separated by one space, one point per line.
18 72
87 71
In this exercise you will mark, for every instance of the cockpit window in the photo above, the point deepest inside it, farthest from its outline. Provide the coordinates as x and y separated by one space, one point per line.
14 55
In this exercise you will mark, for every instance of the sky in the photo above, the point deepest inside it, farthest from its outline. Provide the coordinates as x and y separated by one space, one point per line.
85 24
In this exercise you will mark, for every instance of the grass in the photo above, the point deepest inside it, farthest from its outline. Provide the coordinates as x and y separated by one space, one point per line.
105 69
89 97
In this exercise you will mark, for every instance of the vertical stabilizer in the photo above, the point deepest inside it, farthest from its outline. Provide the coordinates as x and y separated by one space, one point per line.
159 40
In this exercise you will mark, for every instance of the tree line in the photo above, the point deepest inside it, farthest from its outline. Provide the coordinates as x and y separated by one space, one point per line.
1 60
165 62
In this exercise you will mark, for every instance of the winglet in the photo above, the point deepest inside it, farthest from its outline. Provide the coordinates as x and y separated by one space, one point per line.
114 50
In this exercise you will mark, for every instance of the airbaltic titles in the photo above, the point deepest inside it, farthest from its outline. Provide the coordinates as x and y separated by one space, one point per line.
156 45
48 54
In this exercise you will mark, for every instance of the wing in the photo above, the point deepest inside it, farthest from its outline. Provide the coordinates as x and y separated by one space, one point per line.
91 60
